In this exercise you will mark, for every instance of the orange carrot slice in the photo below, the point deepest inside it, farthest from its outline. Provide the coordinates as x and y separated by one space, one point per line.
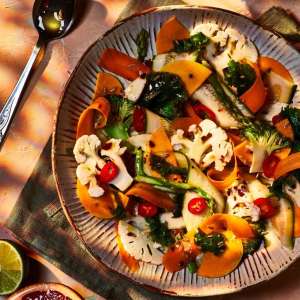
122 64
93 117
291 163
255 97
148 193
285 128
170 31
223 180
107 84
267 64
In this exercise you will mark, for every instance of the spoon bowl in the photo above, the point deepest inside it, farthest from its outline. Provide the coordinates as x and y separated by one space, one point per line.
53 19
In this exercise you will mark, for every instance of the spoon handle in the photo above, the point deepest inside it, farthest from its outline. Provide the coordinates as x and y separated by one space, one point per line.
11 105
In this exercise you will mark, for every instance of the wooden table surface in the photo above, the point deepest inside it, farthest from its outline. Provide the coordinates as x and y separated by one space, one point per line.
34 122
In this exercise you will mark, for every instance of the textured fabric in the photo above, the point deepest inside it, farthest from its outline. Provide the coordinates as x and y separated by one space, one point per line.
39 222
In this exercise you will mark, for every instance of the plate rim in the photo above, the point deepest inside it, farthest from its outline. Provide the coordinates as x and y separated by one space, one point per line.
54 140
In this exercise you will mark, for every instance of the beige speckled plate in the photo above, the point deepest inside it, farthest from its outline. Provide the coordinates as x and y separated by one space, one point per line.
99 235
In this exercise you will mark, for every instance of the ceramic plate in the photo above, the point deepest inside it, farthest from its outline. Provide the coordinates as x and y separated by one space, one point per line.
99 235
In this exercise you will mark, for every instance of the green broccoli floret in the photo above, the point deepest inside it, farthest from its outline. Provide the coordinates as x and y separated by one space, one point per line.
214 242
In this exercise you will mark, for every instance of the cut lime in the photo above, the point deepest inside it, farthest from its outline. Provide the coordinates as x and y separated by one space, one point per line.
11 268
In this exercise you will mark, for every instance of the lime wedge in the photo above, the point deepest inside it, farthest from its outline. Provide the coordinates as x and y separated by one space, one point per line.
11 268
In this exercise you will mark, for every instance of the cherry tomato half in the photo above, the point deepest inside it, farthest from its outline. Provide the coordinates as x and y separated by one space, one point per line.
203 111
267 209
147 210
139 119
108 173
197 205
269 165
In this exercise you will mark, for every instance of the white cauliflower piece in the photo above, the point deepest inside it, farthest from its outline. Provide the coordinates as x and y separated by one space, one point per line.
94 189
210 144
240 202
134 89
86 155
137 242
87 147
123 179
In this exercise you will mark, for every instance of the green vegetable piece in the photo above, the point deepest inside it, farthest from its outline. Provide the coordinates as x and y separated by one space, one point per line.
214 242
293 115
159 232
194 43
192 267
241 76
120 118
164 94
142 42
160 165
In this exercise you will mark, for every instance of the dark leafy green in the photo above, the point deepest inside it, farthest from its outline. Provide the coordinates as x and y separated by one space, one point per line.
120 212
214 242
194 43
164 94
293 115
279 185
241 76
142 42
120 119
159 232
160 165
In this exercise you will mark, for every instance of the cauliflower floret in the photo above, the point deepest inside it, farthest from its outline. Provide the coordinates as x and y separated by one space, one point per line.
85 152
123 179
86 147
240 202
210 144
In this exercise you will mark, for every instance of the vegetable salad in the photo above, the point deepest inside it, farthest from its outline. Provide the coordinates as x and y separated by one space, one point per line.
197 158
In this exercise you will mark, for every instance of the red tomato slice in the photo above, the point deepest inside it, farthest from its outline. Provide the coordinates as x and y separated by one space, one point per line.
197 205
109 172
267 210
147 210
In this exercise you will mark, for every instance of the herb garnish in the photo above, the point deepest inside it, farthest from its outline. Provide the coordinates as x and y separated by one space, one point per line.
239 75
214 242
194 43
159 232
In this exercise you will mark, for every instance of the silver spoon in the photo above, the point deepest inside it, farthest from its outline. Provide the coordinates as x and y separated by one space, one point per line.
53 19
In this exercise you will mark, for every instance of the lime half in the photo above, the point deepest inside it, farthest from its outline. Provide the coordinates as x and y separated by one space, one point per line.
11 268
